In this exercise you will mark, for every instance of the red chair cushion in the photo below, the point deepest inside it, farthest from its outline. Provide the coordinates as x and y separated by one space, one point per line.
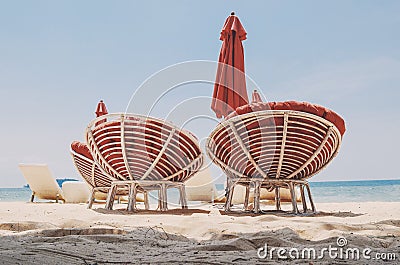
81 148
296 106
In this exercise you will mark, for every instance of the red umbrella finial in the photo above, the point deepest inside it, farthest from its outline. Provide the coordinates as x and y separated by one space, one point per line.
255 97
101 109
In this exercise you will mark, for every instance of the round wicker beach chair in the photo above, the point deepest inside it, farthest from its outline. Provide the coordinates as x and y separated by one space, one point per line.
95 177
141 152
274 145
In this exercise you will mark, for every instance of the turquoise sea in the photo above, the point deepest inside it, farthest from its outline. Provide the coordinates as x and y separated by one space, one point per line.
335 191
356 191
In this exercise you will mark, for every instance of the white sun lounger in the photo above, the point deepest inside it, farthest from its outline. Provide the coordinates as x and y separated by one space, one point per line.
75 191
44 186
201 187
41 182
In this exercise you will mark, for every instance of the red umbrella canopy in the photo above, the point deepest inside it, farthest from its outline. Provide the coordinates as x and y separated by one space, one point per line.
100 111
230 83
255 97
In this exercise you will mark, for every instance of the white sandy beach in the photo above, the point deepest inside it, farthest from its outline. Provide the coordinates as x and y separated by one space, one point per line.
50 233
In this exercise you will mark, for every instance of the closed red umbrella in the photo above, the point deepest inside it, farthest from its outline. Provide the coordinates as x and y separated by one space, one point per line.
100 111
255 97
230 84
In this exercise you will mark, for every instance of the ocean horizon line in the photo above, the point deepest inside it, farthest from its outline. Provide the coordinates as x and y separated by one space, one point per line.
222 183
324 191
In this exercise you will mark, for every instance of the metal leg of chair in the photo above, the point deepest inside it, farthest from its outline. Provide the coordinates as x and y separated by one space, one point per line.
303 198
183 196
227 190
160 199
232 192
309 196
164 202
111 196
135 192
146 200
129 208
278 198
246 198
293 196
33 197
257 188
91 198
180 196
166 198
132 197
229 195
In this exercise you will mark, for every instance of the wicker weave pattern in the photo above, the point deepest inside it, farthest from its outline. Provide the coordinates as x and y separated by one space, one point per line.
274 145
134 147
90 172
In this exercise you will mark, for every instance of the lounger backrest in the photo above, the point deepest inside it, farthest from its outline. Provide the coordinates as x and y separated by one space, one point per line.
75 192
201 187
41 181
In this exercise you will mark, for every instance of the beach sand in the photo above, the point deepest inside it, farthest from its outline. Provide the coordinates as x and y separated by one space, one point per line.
50 233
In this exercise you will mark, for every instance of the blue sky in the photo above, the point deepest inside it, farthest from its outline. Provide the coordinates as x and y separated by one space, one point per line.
59 58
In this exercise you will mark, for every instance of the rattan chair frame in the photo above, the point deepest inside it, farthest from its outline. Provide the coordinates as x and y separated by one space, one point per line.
306 144
140 170
98 180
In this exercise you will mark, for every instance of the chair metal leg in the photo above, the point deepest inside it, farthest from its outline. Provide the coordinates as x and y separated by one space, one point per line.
232 193
132 197
293 195
257 188
183 196
310 198
246 198
165 198
91 198
228 202
111 196
159 199
146 200
277 198
164 203
303 198
33 197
